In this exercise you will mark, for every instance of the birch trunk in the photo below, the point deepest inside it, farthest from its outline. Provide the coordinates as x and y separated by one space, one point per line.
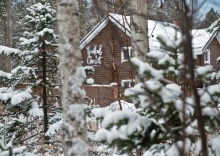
72 75
139 29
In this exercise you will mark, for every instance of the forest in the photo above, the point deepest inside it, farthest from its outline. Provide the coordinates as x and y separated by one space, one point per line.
109 78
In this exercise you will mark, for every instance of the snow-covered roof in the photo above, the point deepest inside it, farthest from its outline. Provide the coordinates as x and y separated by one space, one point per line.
201 38
94 32
123 22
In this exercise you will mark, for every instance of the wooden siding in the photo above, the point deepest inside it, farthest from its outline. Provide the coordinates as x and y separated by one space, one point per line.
102 95
200 60
214 48
112 40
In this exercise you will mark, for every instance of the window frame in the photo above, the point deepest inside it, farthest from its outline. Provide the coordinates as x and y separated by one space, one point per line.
207 58
126 80
123 59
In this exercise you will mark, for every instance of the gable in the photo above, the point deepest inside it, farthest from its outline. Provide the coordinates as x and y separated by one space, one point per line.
170 31
214 48
109 40
121 23
201 39
94 32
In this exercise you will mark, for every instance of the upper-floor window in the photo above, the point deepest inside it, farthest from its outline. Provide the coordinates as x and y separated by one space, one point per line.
126 54
94 55
126 83
207 57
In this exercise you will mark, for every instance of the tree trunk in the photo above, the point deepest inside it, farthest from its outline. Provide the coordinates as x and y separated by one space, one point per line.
189 62
46 138
8 37
72 75
139 28
7 61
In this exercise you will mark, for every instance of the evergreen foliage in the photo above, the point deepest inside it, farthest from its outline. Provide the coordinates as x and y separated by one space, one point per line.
84 17
9 150
210 17
2 29
165 118
33 82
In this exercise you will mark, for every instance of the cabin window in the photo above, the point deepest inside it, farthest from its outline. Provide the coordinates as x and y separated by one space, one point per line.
126 83
94 55
207 57
126 54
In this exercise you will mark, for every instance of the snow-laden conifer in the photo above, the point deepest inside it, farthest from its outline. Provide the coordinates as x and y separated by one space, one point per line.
165 121
29 95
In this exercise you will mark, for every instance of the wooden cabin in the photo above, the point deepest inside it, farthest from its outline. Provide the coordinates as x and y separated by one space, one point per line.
206 46
107 48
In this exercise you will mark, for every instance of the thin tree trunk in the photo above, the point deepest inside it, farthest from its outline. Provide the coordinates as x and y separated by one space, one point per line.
124 23
74 128
46 139
189 63
8 36
139 28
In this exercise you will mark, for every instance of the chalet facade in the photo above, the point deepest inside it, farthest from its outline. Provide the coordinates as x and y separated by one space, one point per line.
101 48
206 46
108 48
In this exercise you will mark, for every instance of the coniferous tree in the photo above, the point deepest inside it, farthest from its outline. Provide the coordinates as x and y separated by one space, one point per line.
40 46
210 17
3 30
33 103
166 118
84 15
2 21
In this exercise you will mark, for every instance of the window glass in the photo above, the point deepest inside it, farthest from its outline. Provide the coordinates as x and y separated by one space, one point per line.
126 53
207 57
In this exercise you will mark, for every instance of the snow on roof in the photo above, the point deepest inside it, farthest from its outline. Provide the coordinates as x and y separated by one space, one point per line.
93 32
123 22
155 28
201 39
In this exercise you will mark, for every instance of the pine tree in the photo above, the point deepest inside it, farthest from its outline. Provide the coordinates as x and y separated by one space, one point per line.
33 84
210 17
2 20
8 149
165 120
3 30
40 46
84 17
16 100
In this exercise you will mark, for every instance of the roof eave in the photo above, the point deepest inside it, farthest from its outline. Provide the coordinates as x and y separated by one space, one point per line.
100 26
122 27
210 40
